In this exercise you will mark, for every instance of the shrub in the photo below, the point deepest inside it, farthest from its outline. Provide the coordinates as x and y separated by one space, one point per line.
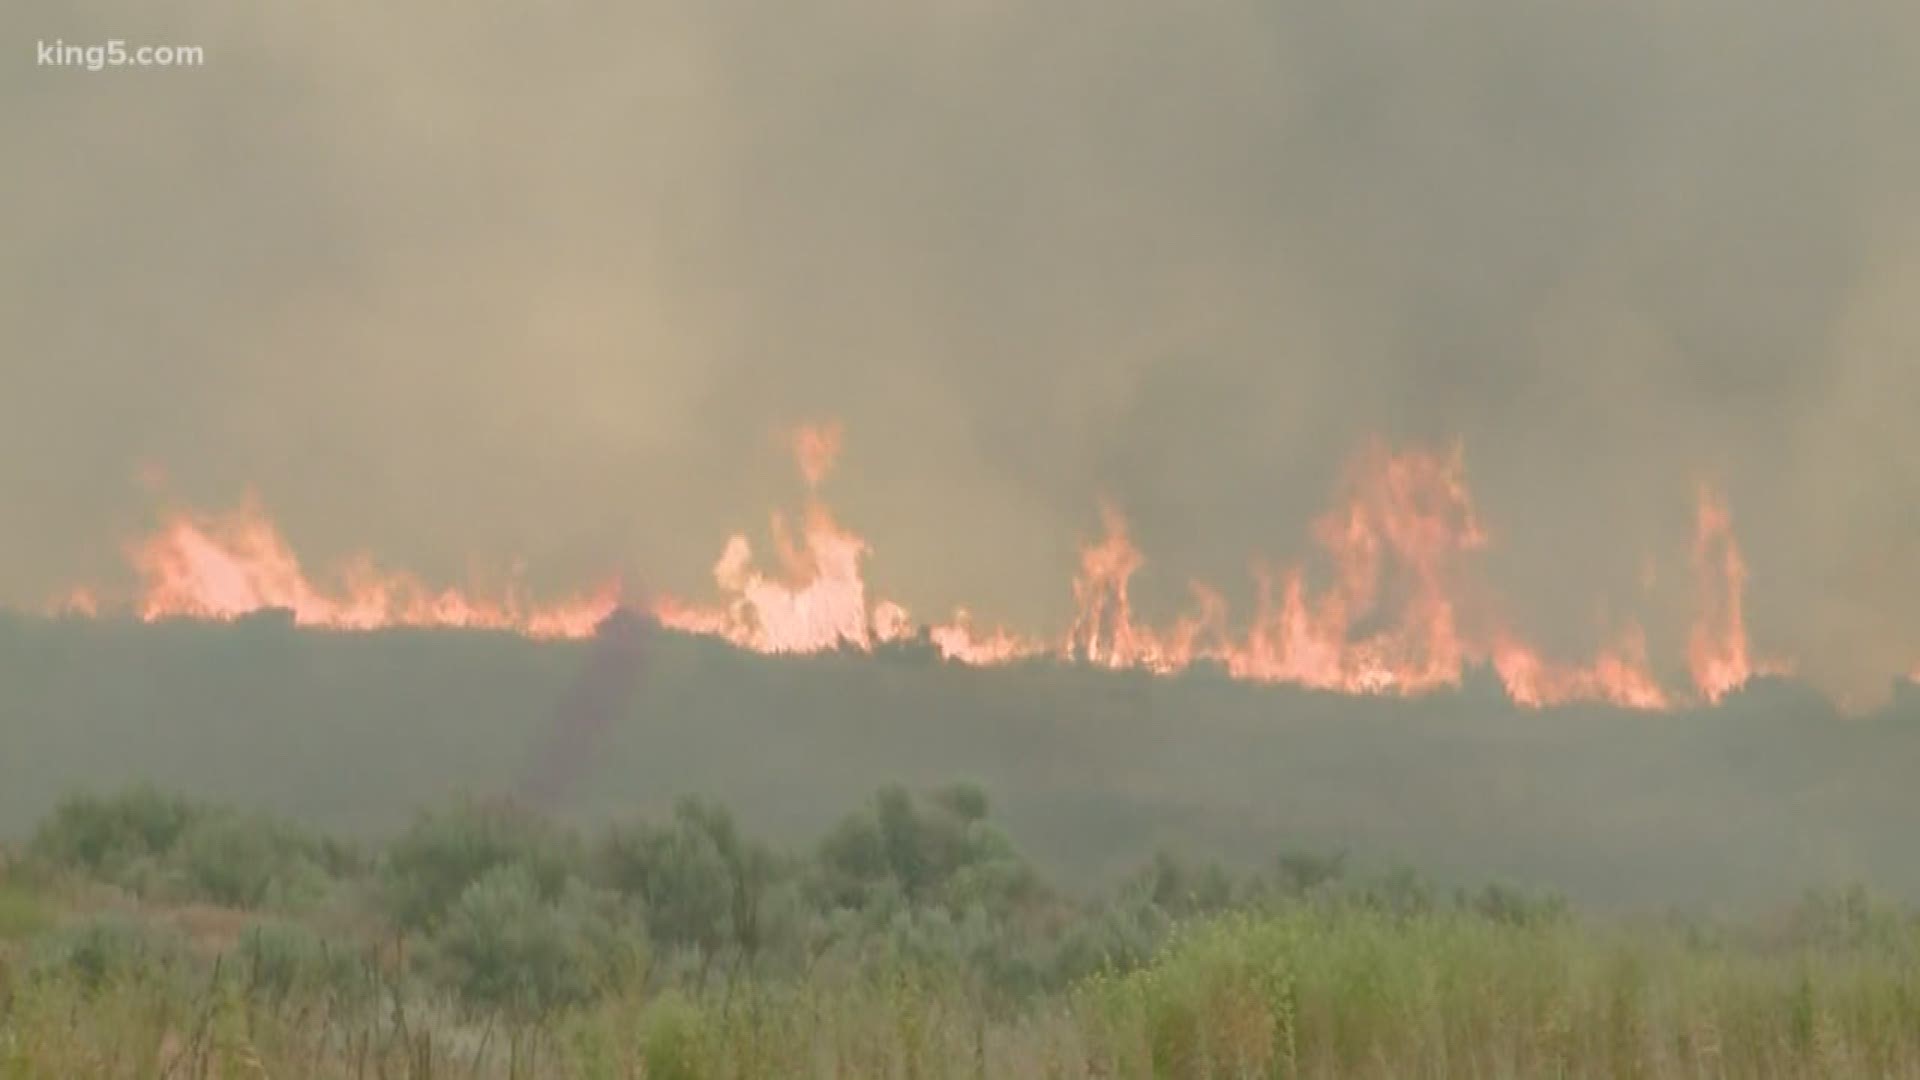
703 886
941 852
108 949
251 861
673 1043
278 961
507 949
433 863
104 834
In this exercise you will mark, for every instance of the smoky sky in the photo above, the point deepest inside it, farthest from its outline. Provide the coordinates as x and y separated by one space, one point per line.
466 286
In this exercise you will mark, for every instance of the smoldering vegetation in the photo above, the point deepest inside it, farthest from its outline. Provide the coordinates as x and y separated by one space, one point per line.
1733 807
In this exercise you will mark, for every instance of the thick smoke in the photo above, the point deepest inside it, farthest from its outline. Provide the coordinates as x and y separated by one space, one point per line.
446 287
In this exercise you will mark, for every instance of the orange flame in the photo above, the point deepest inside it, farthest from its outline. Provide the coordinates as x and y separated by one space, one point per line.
1396 545
1619 675
1717 646
819 602
957 641
1397 613
225 566
1406 522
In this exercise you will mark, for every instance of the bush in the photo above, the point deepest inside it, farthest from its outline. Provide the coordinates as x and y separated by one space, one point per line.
508 950
433 863
278 961
109 949
103 835
941 852
673 1041
250 861
703 886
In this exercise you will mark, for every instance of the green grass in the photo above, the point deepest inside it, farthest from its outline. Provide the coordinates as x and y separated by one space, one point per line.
1358 993
1303 991
912 941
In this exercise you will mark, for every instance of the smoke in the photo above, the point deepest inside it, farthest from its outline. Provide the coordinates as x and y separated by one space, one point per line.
550 289
601 695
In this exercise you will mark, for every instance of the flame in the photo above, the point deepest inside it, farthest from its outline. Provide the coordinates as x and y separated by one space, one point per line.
1619 675
958 641
1389 603
1405 523
1396 542
1104 632
224 566
819 599
1717 646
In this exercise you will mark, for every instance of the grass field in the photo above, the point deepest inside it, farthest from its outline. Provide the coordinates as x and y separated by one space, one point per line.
143 935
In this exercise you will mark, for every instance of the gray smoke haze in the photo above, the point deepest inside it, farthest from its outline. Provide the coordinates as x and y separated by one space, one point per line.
451 284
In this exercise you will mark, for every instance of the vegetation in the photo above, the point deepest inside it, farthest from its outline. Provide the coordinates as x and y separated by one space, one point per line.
148 935
1745 803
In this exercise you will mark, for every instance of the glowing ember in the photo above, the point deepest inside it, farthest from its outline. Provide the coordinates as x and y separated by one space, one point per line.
1396 610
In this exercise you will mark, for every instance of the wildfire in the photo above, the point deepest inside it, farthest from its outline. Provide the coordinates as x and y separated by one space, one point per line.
818 601
1389 604
228 565
1717 649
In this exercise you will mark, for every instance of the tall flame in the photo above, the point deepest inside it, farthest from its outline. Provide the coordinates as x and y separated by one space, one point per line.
819 599
1717 646
1390 605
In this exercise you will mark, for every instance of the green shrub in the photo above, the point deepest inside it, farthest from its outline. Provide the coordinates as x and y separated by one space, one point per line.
250 861
104 834
433 863
673 1040
505 948
108 949
278 961
703 886
938 852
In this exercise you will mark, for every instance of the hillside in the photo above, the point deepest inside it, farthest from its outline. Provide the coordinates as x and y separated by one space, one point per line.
1749 802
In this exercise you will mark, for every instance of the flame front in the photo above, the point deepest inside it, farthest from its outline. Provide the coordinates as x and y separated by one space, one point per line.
1389 605
229 565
